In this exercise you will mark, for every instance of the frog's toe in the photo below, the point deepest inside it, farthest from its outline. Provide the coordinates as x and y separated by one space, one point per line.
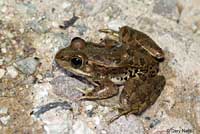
87 98
118 116
84 91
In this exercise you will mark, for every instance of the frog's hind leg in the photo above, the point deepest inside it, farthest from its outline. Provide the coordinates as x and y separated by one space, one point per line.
143 95
113 33
134 37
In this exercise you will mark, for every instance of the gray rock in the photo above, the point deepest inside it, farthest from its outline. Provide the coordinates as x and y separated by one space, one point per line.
29 9
154 123
28 65
3 110
4 120
81 127
2 72
129 125
164 7
38 27
67 86
42 109
12 72
41 94
82 29
57 121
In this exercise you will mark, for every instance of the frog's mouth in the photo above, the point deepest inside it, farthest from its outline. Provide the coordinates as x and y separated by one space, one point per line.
78 72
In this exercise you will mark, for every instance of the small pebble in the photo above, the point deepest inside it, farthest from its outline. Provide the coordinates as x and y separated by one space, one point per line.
147 118
39 77
3 110
21 30
2 72
10 35
3 50
12 72
103 132
89 107
28 65
1 61
154 123
66 5
3 9
54 24
4 120
81 127
89 110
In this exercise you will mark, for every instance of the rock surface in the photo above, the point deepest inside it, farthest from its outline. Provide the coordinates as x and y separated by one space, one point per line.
29 84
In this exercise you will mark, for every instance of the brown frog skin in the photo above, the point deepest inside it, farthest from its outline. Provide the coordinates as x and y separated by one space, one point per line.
134 38
132 60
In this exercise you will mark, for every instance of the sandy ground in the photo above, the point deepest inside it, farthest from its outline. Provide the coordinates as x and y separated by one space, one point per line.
37 97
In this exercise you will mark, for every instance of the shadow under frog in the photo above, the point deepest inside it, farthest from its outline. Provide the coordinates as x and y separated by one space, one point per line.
130 59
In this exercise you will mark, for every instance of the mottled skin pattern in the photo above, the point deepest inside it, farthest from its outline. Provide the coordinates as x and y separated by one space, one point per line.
131 60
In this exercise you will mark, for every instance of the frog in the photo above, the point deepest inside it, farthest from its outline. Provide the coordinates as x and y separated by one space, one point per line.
130 59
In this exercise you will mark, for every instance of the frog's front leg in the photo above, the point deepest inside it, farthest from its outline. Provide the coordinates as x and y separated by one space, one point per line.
106 89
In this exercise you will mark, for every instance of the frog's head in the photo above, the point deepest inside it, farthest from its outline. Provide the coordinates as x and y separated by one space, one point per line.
74 59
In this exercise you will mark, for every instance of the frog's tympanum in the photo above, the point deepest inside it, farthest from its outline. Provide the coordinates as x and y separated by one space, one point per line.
131 59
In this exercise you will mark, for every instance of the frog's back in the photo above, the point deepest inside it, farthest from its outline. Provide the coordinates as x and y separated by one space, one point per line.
108 57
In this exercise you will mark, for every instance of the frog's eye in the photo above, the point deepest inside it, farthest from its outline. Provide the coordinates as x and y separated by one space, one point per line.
77 43
76 62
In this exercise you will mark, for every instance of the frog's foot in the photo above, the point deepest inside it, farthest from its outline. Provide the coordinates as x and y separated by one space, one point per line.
125 113
118 116
111 32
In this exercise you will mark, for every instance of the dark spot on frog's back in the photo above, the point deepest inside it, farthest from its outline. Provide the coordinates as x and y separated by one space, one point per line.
97 57
142 61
